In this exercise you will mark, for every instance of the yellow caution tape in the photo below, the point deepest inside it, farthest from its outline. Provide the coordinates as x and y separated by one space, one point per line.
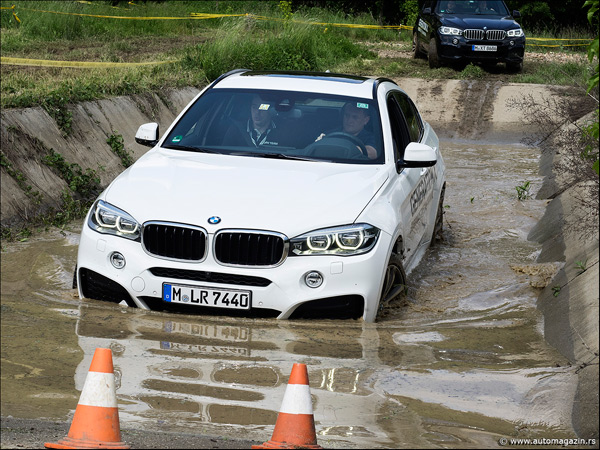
558 45
76 64
557 39
192 16
332 24
13 12
215 16
108 17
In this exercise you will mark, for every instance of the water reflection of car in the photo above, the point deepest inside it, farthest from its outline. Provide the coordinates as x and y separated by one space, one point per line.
310 218
461 31
227 377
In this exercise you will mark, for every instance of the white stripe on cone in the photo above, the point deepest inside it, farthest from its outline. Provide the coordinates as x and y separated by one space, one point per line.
99 390
296 400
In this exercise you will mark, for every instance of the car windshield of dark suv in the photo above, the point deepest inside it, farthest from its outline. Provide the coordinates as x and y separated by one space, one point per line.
459 7
281 124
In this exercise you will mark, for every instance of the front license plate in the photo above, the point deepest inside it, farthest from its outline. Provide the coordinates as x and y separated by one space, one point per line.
207 296
485 48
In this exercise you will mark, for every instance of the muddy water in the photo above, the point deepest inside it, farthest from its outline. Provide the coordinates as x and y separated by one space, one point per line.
460 364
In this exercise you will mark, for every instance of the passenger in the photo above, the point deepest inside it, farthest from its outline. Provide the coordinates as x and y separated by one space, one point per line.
259 130
451 7
354 120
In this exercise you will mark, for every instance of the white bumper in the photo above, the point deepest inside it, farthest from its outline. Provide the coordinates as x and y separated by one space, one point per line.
353 275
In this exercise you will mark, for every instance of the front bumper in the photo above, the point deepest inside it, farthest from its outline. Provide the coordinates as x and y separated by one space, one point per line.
457 49
350 283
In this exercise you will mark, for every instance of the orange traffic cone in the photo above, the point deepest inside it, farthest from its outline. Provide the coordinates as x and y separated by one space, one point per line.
295 425
96 420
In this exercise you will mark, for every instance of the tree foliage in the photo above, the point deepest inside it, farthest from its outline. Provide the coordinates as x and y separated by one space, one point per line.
592 129
552 15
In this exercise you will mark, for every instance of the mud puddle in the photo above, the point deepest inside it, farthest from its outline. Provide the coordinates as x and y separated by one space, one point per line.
460 364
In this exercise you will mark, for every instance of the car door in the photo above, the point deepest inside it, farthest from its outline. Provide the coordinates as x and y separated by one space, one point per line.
425 24
407 127
423 206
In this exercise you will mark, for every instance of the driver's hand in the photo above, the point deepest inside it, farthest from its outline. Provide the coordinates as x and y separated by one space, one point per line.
321 136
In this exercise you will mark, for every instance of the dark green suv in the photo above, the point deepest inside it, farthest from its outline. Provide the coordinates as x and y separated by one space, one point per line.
459 32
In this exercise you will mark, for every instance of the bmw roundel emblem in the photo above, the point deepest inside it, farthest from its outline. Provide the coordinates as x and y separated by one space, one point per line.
214 220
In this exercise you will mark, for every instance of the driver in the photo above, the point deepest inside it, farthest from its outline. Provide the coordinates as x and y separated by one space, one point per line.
354 120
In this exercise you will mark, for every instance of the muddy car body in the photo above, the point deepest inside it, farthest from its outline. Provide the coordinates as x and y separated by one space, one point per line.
301 223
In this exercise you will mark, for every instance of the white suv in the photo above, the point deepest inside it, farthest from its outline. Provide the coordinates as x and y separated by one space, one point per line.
281 194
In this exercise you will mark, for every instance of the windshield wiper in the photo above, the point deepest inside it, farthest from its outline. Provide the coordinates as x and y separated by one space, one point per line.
189 148
274 156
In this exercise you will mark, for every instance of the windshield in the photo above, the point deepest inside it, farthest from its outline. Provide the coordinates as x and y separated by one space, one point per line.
281 124
458 7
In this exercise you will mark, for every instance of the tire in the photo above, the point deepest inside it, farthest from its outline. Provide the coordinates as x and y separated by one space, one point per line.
432 55
394 283
438 228
513 67
416 52
75 278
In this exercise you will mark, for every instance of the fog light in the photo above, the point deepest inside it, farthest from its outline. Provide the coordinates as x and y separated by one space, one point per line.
455 41
511 43
117 260
313 279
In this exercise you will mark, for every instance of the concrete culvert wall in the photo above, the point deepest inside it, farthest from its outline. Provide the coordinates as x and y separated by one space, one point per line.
470 110
27 135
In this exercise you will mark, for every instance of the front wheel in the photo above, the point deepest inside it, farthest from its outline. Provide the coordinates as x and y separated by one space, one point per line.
394 283
416 52
439 220
432 55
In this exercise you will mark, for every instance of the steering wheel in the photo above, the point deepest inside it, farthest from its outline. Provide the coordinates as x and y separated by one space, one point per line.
356 141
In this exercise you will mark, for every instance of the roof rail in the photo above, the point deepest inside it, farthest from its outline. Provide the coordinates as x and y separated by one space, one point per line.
225 75
378 81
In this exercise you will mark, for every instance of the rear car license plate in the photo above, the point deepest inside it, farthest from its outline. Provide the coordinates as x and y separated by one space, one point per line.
207 296
485 48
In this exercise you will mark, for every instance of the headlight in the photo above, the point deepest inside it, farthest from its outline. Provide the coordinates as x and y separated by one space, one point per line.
450 31
343 241
518 32
106 218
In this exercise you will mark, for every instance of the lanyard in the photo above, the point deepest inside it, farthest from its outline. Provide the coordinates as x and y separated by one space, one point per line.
260 138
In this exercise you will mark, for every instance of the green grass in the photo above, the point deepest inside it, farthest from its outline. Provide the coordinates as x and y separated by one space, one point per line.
203 49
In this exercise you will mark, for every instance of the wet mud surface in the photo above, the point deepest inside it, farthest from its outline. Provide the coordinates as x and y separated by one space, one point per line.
461 363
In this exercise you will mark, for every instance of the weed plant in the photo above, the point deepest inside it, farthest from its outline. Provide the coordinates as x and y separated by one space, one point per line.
294 46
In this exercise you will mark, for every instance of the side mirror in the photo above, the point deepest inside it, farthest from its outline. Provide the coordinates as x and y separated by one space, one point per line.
417 155
426 11
516 14
147 134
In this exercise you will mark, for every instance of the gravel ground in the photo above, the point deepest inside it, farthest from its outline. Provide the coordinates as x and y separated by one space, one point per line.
33 433
402 49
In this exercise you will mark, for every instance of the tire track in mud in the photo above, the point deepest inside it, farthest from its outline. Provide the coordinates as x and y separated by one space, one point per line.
459 109
476 99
